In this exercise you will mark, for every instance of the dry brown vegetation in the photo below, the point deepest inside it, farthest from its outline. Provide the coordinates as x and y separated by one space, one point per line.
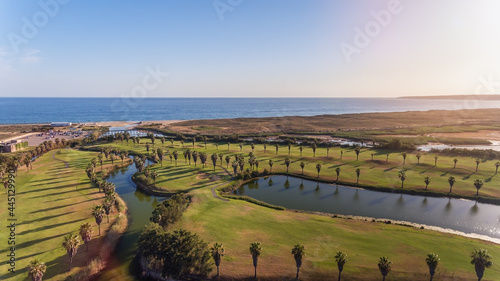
344 122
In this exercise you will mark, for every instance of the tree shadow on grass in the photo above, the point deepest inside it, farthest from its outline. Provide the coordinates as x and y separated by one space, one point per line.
447 172
47 218
49 227
468 176
58 207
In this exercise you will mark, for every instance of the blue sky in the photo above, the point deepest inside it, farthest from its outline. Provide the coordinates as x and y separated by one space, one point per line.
256 48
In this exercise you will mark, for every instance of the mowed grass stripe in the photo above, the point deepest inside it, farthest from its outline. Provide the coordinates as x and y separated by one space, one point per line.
52 201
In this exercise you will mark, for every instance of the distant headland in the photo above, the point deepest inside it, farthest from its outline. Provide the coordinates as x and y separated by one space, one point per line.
454 97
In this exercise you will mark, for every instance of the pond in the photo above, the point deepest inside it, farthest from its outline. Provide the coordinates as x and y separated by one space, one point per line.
455 214
140 206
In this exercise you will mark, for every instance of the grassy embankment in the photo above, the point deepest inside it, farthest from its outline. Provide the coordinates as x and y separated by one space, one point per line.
237 223
53 200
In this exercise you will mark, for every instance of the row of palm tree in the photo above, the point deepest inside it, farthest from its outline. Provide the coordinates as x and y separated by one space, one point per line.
479 258
313 146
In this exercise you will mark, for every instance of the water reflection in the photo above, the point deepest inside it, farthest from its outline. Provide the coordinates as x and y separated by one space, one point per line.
461 215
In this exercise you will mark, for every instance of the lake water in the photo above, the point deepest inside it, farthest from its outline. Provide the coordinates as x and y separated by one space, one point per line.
294 193
77 110
140 206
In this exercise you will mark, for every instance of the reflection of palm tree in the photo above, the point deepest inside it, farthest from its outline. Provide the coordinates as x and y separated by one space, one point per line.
302 165
448 205
287 184
337 170
301 186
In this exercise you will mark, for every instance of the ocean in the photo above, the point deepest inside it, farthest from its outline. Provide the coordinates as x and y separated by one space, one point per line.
77 110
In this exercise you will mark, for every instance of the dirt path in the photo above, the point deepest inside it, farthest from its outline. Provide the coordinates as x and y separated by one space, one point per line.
215 193
66 164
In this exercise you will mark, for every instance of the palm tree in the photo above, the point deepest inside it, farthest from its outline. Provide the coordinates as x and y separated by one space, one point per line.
418 158
217 254
427 181
372 155
302 165
478 184
277 147
387 157
455 163
255 249
241 146
265 148
341 260
314 146
271 163
71 243
154 176
228 143
235 167
497 165
341 154
384 264
195 154
318 168
175 153
481 260
298 252
220 157
402 177
98 213
451 181
404 157
287 163
86 233
358 172
357 150
289 148
172 143
337 170
327 151
228 159
214 159
477 164
432 261
36 269
301 148
436 160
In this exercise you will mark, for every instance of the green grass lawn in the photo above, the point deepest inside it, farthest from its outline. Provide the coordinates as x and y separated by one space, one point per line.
237 223
377 173
51 201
